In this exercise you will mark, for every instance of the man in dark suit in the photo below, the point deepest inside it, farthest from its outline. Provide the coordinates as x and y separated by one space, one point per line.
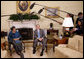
39 36
80 18
79 28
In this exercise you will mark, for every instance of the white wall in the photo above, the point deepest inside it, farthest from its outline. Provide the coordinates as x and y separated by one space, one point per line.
9 7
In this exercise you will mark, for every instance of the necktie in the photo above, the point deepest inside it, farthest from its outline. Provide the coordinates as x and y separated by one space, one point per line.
38 34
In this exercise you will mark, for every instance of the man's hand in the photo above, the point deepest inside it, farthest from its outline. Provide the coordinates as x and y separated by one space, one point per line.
40 39
74 29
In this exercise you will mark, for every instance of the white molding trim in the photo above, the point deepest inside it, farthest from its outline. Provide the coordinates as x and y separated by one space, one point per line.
23 24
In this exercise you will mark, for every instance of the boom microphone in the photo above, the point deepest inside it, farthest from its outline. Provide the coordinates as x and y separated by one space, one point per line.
40 10
32 5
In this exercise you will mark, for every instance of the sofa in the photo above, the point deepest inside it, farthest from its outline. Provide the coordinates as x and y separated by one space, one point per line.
74 48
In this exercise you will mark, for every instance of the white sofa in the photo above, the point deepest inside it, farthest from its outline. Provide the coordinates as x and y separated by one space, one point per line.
74 48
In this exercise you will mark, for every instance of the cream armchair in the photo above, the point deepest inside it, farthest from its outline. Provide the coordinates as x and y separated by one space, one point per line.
74 48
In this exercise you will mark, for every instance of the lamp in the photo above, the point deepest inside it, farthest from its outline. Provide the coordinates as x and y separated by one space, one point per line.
67 23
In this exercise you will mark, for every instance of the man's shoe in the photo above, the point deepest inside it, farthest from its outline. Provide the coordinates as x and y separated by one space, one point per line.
41 54
22 55
34 51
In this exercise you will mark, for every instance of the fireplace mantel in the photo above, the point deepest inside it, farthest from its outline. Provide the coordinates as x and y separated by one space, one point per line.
23 24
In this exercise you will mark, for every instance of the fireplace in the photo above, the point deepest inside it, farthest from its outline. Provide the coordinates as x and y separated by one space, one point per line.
25 28
26 33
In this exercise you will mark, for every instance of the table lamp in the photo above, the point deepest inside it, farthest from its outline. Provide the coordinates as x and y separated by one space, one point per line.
67 23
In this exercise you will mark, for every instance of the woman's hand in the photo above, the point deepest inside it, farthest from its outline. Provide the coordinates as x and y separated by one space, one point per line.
15 39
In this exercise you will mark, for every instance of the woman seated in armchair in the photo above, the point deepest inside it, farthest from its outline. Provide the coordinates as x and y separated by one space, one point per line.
13 39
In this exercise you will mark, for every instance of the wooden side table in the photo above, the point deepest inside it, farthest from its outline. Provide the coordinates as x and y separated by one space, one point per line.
50 34
64 40
52 31
53 42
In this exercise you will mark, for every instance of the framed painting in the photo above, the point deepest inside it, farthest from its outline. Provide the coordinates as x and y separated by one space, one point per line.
50 10
23 7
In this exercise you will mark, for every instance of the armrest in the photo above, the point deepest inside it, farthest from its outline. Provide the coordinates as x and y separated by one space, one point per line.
62 45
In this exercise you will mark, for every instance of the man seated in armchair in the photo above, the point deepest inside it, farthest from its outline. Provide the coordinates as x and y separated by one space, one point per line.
39 36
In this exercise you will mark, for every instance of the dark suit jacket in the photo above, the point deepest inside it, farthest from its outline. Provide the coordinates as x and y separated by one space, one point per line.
80 29
42 34
78 19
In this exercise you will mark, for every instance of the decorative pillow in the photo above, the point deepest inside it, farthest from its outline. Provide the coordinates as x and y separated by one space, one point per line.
73 43
62 45
80 42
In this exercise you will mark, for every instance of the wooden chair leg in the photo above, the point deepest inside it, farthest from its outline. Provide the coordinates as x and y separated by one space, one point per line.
46 48
24 47
53 48
5 45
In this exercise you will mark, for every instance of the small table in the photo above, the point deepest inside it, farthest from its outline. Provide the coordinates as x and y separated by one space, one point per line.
50 34
56 42
52 31
62 41
51 41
